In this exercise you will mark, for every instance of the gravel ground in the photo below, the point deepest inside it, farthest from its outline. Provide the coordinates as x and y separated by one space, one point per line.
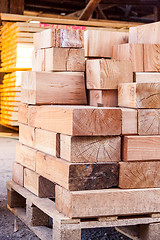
7 156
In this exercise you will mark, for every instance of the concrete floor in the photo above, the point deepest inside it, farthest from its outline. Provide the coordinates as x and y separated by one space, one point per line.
7 156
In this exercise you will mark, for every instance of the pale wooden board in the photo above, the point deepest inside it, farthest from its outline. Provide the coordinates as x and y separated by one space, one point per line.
148 33
64 59
131 52
73 38
26 156
139 175
47 141
107 74
99 43
141 77
141 148
90 149
129 121
26 135
18 173
61 88
23 113
148 121
77 120
139 95
107 202
151 57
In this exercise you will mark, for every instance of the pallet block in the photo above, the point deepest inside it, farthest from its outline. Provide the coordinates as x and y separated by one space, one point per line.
77 120
139 175
64 59
105 98
103 74
18 173
139 95
129 121
38 185
38 211
77 176
141 148
90 149
130 52
83 204
99 43
61 88
140 77
26 156
148 121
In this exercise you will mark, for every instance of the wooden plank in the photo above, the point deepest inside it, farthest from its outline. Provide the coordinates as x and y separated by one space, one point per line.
23 113
26 156
38 185
77 176
89 9
64 59
141 77
139 95
90 149
139 175
107 74
82 204
26 135
148 34
61 88
130 52
148 121
47 141
103 24
18 174
151 57
100 43
141 148
106 98
77 121
129 121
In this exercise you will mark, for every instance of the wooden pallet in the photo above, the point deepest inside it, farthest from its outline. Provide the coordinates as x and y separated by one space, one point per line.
40 215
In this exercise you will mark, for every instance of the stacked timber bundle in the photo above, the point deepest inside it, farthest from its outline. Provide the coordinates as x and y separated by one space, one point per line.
89 159
102 73
16 56
141 152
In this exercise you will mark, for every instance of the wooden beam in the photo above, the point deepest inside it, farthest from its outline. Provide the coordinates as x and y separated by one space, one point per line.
89 9
90 23
17 6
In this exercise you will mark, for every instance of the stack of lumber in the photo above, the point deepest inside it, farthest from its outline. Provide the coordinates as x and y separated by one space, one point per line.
140 153
102 73
95 161
16 56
